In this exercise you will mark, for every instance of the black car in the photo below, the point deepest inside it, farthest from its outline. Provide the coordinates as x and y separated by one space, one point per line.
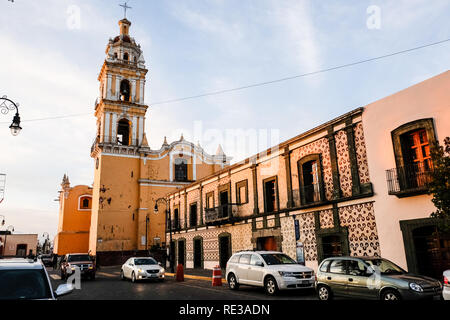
82 261
47 259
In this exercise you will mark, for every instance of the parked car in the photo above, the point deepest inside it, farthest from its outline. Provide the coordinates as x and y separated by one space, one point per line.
47 259
25 279
82 261
269 269
372 278
143 268
446 290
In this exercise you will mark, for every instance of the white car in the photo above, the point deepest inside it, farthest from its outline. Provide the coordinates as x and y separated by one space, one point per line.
141 269
269 269
446 290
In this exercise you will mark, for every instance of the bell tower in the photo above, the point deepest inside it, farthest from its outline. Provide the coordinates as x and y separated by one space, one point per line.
120 111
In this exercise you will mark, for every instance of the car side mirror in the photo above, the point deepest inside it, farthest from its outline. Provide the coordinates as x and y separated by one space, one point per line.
160 264
63 290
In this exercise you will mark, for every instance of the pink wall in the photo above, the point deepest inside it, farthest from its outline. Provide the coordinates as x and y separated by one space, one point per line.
428 99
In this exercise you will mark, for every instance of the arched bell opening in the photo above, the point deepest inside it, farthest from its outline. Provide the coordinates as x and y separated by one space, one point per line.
123 132
125 89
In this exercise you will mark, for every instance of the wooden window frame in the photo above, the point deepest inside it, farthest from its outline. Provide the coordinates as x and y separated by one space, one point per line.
208 196
312 157
239 185
196 214
277 195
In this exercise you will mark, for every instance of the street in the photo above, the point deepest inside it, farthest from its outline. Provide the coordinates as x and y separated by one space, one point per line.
108 286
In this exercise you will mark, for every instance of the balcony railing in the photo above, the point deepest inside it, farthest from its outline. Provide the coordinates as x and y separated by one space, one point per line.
409 180
222 214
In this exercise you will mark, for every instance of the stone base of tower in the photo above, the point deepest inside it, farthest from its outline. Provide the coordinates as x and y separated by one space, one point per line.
115 258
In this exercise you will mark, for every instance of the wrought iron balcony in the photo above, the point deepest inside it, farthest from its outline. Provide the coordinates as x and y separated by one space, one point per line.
409 180
222 214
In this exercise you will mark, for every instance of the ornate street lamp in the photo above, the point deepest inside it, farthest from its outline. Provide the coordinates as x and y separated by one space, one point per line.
6 106
169 222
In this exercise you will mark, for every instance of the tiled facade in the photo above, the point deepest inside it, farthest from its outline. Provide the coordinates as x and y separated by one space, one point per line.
344 211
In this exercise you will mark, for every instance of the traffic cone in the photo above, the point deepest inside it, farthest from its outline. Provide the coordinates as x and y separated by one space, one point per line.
180 273
217 277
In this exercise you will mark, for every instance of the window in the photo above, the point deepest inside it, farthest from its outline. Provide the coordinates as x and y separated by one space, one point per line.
210 200
412 143
242 192
270 195
324 266
356 268
235 259
125 56
176 218
245 259
310 175
255 260
193 215
125 90
332 246
123 132
85 202
181 170
338 266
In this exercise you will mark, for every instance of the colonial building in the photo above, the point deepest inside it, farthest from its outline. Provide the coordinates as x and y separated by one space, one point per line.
17 245
128 175
314 196
75 206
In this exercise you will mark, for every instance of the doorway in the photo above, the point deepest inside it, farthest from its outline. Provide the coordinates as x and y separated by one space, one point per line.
223 198
198 252
224 249
266 244
21 250
432 250
332 246
182 252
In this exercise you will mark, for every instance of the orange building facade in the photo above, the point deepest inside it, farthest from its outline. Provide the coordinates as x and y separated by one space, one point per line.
129 177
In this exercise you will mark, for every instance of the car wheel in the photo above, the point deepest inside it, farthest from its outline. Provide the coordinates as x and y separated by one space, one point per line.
390 295
232 282
122 277
324 293
270 285
133 277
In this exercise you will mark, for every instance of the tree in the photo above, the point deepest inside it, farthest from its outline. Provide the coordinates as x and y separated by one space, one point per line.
439 185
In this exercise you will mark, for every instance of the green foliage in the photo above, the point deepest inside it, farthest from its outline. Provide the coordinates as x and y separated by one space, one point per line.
439 185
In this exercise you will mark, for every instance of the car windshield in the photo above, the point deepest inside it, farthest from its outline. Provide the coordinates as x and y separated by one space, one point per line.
79 257
24 285
385 266
144 262
277 258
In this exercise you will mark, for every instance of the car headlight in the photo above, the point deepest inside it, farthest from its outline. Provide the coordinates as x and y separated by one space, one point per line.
415 287
286 274
140 270
162 270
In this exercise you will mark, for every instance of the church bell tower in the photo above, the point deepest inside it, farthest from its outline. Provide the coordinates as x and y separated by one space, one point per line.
120 111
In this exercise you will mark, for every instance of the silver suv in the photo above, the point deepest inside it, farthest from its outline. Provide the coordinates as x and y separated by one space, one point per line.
27 279
269 269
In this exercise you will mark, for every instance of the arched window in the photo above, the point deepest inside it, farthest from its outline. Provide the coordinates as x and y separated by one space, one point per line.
181 170
115 55
85 203
123 132
125 56
125 89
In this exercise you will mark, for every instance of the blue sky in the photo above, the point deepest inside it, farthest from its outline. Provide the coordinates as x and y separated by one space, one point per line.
193 47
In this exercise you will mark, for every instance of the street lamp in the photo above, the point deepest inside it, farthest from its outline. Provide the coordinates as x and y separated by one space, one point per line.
6 106
46 239
8 229
169 222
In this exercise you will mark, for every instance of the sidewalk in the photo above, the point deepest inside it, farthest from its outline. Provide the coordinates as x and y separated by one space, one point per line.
198 274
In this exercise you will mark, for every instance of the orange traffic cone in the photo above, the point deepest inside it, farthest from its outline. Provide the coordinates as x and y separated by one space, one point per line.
217 277
180 273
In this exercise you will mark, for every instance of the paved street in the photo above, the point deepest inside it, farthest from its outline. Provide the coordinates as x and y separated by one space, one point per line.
109 286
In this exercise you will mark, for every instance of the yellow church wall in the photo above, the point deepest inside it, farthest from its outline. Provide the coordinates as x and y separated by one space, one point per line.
71 242
118 203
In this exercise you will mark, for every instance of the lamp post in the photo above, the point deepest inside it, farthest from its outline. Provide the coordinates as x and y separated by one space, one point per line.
169 222
8 229
6 106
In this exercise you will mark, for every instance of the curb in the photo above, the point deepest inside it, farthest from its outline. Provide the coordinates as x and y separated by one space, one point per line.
187 276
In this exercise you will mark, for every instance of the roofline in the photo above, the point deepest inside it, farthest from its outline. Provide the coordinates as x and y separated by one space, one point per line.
269 150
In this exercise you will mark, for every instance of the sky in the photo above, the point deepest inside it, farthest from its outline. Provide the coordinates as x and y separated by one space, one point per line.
51 52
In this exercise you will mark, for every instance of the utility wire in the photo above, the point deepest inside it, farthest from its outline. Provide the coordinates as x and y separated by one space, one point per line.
218 92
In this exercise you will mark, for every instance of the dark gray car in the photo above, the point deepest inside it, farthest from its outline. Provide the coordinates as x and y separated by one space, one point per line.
372 278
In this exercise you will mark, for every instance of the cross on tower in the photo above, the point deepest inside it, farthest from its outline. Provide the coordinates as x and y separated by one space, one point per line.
125 7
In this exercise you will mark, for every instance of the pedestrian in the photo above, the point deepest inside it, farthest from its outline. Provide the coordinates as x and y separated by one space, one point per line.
55 261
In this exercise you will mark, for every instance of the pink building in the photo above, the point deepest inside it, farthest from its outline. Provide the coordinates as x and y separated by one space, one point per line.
18 245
